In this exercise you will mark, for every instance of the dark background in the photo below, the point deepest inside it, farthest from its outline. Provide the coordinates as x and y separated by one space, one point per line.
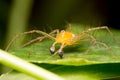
45 14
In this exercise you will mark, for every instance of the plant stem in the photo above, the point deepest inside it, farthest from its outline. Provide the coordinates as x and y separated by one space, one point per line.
26 67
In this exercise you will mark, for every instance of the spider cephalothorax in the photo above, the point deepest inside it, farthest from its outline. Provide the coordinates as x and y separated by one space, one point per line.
64 38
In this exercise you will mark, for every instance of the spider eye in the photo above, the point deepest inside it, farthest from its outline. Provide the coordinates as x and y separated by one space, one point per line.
62 31
73 35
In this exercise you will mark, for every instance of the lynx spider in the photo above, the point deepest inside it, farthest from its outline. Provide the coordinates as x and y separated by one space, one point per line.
65 38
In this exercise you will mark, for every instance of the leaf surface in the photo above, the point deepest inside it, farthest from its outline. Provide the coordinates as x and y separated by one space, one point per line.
98 63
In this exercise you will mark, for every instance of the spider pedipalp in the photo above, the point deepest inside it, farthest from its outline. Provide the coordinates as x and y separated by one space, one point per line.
52 50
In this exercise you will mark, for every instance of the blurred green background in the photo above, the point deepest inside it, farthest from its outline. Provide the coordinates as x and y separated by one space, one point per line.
17 16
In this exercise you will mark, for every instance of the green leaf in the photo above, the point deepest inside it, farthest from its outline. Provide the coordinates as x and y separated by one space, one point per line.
98 63
15 76
39 53
86 72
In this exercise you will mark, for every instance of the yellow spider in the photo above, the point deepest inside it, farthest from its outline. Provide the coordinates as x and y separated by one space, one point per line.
65 38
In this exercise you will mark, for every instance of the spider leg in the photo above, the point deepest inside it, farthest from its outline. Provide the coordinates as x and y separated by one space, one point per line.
34 40
107 47
30 32
101 28
68 27
94 42
40 38
97 42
